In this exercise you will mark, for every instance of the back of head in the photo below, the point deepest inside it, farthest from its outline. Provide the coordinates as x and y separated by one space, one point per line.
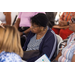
11 41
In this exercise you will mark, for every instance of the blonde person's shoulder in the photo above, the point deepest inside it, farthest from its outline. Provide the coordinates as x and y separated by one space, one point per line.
9 57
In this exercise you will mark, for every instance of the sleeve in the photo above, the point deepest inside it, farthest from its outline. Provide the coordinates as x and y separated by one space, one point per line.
26 42
19 16
49 47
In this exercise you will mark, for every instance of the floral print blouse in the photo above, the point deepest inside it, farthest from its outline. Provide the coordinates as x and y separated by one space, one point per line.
9 57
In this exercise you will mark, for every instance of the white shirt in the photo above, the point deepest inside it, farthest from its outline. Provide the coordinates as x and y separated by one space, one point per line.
57 17
2 17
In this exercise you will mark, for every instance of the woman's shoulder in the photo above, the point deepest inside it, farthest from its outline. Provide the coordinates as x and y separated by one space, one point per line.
9 57
50 32
50 36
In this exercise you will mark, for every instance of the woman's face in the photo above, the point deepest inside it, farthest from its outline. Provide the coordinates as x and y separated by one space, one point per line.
72 26
35 28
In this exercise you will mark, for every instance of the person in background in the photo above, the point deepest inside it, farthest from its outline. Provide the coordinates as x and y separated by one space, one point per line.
63 21
67 54
10 48
5 18
41 38
51 17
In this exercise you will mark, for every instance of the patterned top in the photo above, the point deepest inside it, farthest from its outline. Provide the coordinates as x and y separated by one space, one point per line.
34 43
69 50
9 57
66 16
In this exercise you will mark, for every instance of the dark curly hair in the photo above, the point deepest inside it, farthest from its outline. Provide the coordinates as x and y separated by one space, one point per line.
40 19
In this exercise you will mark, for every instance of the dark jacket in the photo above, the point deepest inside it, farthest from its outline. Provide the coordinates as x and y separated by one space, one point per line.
48 45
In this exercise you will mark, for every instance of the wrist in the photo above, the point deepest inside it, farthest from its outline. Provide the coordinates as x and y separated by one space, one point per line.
67 23
23 33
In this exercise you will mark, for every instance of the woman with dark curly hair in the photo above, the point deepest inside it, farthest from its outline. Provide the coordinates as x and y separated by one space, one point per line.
10 48
41 38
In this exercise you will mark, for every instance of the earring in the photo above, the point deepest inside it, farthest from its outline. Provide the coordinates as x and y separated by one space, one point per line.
41 29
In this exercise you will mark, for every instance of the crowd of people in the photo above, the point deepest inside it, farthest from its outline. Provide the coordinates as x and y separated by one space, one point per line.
40 37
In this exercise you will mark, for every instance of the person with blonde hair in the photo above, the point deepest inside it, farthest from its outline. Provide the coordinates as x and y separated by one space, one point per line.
10 48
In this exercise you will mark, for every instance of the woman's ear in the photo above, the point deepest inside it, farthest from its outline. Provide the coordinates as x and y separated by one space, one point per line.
41 28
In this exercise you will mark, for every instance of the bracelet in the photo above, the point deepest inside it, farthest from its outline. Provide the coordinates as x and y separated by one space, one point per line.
67 23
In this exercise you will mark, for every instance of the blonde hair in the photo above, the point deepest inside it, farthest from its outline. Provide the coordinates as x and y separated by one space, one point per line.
10 40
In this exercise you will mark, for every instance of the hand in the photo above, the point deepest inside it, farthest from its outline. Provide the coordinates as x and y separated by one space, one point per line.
2 23
62 23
